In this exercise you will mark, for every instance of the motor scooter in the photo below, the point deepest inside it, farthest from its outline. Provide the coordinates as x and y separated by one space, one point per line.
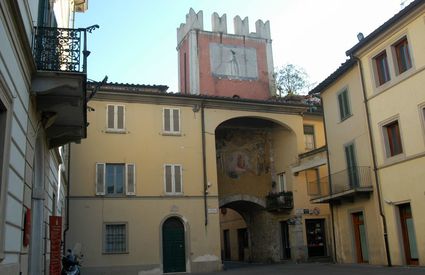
71 263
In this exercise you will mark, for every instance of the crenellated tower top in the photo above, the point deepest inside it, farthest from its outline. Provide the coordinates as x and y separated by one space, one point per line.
195 21
215 62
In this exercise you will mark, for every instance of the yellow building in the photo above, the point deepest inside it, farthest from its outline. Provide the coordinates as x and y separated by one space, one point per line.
374 116
157 167
152 183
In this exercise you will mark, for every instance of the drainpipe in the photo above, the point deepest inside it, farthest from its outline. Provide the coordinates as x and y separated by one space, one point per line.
375 169
67 199
330 184
204 163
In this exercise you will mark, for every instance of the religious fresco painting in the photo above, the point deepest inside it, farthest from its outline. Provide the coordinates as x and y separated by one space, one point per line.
238 155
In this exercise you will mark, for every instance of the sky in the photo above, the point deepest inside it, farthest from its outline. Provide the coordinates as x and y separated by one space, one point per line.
137 39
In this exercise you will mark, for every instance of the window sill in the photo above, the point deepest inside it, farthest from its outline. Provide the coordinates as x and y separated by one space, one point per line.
177 134
114 131
115 253
345 118
395 81
174 195
390 160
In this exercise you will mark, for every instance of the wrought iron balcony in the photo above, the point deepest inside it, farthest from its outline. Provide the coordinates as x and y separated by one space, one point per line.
59 84
346 184
61 49
279 201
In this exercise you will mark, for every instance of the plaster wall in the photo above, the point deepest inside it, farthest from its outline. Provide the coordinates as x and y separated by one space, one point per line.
401 99
144 217
256 88
340 133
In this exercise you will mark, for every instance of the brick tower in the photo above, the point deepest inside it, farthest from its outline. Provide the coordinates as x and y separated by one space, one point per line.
218 63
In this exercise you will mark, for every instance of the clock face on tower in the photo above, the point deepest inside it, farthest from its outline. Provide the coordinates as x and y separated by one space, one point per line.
233 62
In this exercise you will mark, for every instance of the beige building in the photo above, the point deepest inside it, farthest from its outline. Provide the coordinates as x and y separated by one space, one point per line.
156 168
374 115
152 183
42 107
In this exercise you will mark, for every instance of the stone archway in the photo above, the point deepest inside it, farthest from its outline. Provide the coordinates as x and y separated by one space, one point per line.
248 151
228 200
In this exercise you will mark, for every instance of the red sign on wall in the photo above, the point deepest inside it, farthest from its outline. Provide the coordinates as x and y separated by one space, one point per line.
55 244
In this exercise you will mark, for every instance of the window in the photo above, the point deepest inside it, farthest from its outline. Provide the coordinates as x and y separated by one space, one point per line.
115 118
344 106
115 179
3 116
309 137
352 172
115 238
173 178
382 70
5 121
171 123
392 139
402 55
281 182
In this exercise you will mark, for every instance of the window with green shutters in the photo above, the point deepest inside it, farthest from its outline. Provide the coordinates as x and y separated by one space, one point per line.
344 105
350 156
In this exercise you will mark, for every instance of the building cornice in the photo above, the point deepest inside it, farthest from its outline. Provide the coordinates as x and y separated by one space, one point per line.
411 11
222 103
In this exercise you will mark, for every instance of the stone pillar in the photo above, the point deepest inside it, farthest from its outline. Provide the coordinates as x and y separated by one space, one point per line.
264 236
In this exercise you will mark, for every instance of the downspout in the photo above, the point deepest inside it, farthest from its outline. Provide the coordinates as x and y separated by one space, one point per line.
204 163
375 169
68 176
330 184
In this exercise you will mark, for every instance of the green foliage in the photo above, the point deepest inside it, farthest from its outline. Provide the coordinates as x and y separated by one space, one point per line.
291 80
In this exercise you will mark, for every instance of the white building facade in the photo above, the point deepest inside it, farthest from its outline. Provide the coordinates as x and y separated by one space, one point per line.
33 84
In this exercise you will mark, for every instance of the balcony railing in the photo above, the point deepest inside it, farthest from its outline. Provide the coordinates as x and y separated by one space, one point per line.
61 49
279 201
343 183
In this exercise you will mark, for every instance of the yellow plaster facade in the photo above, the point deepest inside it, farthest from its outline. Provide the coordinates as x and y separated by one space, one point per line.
142 142
384 79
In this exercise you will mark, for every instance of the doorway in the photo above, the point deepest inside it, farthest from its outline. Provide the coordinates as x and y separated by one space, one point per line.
226 240
242 243
316 241
286 247
360 237
173 246
408 234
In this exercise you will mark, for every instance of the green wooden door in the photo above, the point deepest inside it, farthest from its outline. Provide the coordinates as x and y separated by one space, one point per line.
173 247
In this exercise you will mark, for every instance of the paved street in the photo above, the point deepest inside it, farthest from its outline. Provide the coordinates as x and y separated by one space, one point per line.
319 269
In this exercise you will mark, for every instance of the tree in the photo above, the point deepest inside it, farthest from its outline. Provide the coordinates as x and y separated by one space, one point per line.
291 79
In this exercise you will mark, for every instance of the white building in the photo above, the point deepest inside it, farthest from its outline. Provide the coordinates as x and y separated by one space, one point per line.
42 107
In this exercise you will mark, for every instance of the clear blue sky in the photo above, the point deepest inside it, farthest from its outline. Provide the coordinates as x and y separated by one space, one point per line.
136 42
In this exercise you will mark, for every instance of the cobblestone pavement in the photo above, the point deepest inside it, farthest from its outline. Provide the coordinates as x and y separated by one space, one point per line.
319 269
